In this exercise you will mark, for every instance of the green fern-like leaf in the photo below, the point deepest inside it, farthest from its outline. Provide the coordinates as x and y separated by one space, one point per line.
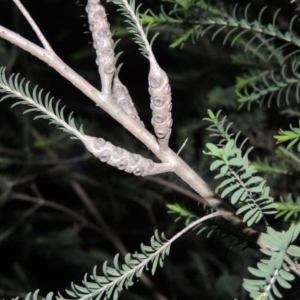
178 16
258 55
275 270
241 26
118 277
268 167
272 84
240 178
189 217
265 81
253 76
234 27
231 236
293 136
35 296
133 20
289 208
13 88
182 211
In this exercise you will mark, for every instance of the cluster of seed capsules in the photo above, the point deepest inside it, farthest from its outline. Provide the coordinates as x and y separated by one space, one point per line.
159 90
122 159
161 105
122 98
103 43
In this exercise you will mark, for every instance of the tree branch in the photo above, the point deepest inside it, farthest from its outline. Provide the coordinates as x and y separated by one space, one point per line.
105 102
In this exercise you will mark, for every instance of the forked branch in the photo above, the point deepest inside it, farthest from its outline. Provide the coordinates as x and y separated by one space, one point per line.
34 26
160 98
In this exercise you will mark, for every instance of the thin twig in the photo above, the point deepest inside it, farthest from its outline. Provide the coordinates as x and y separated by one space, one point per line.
182 146
33 25
42 202
83 196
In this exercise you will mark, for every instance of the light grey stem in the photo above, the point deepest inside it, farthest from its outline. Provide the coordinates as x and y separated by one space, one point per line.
34 26
183 170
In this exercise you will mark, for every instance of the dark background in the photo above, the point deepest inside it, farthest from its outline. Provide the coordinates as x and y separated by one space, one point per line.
43 244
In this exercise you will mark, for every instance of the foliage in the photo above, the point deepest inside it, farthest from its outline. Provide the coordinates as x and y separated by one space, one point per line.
275 269
287 135
117 278
277 73
134 27
229 234
254 58
15 89
289 208
240 179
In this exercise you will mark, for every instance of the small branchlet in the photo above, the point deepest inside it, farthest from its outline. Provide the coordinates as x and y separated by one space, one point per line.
122 159
161 105
122 98
103 43
159 87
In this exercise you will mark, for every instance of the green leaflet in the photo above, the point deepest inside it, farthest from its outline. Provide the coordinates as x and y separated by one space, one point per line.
35 296
293 251
239 177
280 74
275 270
236 28
134 26
288 208
13 88
118 277
292 136
275 83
